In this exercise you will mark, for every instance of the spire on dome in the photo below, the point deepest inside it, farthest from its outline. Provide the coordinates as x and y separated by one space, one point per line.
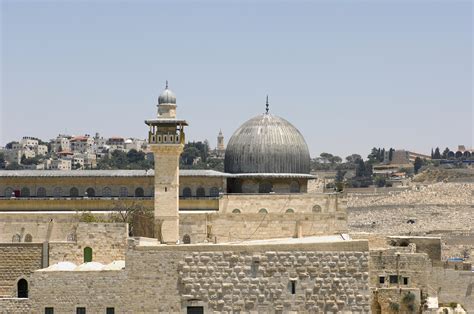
267 105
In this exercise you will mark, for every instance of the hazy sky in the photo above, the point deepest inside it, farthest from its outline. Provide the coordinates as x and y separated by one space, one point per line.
349 75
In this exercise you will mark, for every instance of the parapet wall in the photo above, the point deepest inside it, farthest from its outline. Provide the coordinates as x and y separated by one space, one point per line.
453 286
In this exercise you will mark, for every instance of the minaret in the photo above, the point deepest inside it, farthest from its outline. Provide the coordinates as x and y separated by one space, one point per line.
166 139
220 142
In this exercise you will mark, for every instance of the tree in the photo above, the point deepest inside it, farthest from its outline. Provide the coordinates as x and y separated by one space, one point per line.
417 165
437 154
374 155
445 153
353 158
2 160
340 175
139 218
10 145
432 153
380 181
390 154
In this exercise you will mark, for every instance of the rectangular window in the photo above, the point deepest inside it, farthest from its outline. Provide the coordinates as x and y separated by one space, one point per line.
80 310
195 310
48 310
110 310
393 279
405 280
293 287
381 280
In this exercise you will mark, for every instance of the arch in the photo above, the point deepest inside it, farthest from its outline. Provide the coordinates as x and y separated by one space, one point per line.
87 254
458 154
200 192
90 192
16 238
29 238
139 192
236 211
263 211
123 191
71 237
265 187
41 192
290 211
467 154
187 192
25 192
295 187
22 288
214 191
74 192
8 192
450 154
57 192
186 239
317 209
107 192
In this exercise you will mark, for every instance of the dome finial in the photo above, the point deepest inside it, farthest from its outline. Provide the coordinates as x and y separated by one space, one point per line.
267 105
166 84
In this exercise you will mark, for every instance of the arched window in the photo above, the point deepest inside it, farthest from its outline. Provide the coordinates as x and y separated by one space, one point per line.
236 211
200 192
458 154
451 154
265 187
467 154
294 187
41 192
107 192
8 192
187 192
25 192
29 238
289 211
16 238
74 192
214 192
87 254
57 192
22 288
90 192
186 239
71 237
263 211
317 209
123 192
139 192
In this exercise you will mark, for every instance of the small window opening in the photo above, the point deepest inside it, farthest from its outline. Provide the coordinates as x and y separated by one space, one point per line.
393 279
254 269
405 280
49 310
110 310
195 310
22 288
80 310
166 189
293 287
381 280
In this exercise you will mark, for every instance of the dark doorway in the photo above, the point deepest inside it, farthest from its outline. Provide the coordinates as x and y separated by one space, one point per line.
195 310
22 288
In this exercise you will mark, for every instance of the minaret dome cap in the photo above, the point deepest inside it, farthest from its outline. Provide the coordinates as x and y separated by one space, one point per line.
167 96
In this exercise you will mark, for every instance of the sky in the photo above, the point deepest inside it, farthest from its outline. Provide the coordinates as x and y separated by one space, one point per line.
350 75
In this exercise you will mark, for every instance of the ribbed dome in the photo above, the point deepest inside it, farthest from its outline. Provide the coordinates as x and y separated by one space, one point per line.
267 144
167 97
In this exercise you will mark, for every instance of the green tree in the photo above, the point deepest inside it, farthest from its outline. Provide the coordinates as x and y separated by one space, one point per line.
445 153
340 176
390 154
437 154
417 165
2 160
10 145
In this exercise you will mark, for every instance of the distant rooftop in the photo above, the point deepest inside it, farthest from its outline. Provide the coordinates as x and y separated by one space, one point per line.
106 173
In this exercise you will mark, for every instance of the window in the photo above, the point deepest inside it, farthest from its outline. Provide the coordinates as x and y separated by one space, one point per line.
195 310
200 192
381 280
294 187
73 192
87 254
263 211
393 279
57 192
186 239
317 209
22 288
29 238
110 310
254 269
49 310
80 310
236 211
214 192
293 287
25 192
123 192
8 192
41 192
107 192
139 192
290 211
90 192
187 192
265 187
16 238
405 280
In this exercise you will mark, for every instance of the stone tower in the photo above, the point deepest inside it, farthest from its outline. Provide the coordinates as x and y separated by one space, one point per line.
166 139
220 141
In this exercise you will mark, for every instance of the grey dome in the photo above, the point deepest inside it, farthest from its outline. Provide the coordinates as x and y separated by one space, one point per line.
167 97
267 144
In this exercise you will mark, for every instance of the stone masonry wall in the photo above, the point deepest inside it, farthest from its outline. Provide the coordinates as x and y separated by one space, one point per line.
14 305
453 286
17 260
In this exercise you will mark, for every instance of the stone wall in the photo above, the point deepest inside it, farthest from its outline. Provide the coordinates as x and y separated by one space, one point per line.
453 286
17 260
217 227
332 275
14 305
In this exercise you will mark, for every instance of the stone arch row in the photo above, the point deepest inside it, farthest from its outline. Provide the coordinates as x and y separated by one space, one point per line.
459 154
315 210
200 192
73 192
17 238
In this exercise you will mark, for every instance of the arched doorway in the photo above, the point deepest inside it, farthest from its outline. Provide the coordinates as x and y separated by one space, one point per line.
87 254
139 192
90 192
22 288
